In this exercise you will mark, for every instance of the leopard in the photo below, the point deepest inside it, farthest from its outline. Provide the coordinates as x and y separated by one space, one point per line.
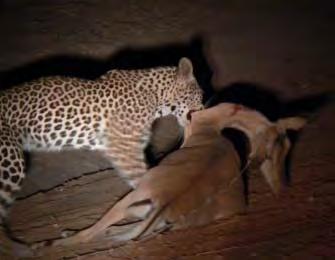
112 114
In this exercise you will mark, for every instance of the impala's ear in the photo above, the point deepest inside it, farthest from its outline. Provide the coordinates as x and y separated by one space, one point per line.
291 123
185 69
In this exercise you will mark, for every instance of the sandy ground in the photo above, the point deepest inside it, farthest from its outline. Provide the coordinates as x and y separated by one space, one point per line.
264 55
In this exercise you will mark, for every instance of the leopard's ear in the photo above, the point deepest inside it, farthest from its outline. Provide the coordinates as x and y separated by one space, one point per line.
185 69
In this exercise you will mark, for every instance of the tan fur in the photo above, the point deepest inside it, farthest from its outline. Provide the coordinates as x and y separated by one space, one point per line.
201 181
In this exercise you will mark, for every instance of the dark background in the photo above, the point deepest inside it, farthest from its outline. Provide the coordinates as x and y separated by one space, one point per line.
277 57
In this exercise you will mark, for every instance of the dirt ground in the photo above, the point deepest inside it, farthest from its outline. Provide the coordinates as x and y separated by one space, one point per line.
276 57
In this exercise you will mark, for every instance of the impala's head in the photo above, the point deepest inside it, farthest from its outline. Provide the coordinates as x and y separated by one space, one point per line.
272 146
269 143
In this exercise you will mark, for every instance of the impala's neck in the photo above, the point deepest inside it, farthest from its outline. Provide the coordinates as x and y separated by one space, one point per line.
228 115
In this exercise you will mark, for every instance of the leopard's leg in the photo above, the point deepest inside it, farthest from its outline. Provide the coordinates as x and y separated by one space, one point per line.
128 157
12 173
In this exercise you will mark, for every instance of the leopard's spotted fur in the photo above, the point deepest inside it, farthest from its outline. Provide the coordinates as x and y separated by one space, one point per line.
113 114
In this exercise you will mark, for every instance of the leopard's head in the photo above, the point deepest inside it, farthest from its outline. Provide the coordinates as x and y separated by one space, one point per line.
186 95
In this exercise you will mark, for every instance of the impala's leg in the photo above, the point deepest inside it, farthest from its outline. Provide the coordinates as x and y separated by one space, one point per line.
12 173
140 228
159 225
115 214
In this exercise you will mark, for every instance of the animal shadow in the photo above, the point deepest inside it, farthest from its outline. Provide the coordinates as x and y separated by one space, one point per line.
128 58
